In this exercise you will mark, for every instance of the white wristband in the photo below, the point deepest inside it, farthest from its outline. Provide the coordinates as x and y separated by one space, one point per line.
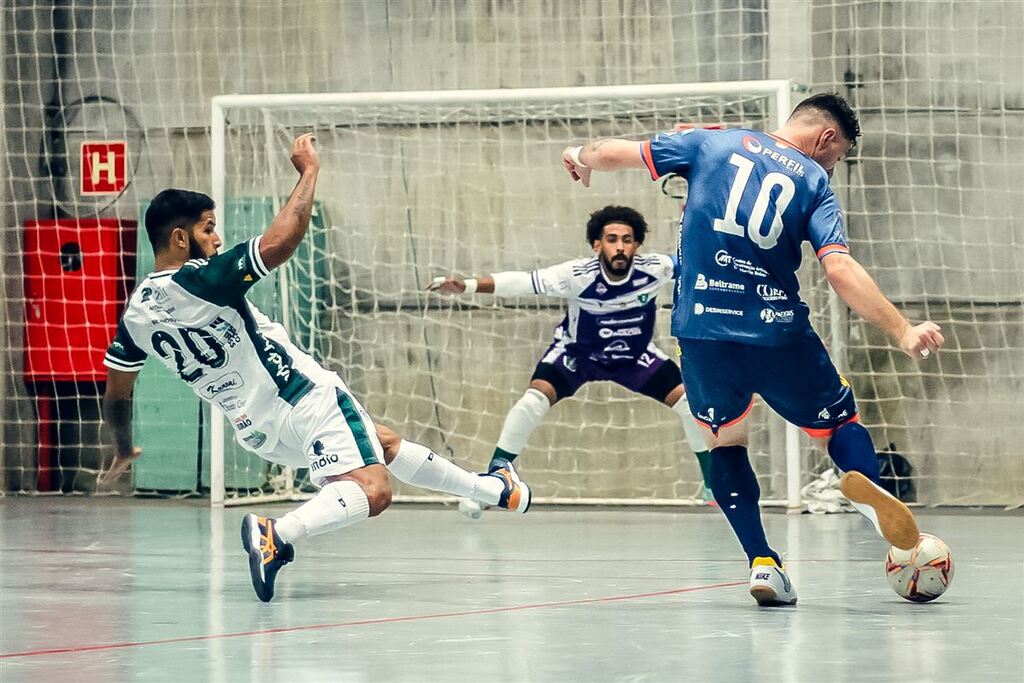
471 285
574 154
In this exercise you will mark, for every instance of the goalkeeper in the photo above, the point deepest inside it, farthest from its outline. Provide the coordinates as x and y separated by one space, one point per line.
604 336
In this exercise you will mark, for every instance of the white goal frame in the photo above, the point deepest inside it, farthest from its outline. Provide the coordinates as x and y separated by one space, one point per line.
780 90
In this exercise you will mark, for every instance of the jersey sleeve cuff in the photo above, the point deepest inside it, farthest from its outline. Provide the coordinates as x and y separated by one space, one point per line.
258 266
832 249
122 365
645 153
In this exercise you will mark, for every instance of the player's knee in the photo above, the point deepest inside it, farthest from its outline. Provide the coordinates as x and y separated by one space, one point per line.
378 495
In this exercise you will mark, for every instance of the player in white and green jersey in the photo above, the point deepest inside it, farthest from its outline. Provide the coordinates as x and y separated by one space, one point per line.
192 314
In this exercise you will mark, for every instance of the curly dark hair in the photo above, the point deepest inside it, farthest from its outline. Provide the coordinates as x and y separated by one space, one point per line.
836 108
171 209
616 214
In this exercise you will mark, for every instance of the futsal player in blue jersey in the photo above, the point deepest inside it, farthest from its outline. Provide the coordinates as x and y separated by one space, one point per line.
753 199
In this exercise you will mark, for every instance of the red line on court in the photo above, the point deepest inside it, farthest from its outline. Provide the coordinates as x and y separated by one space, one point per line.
367 622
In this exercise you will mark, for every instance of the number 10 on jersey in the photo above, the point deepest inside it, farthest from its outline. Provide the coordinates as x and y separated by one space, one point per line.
730 225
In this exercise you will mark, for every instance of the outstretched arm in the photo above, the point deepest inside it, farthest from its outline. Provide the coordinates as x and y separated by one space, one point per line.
285 234
606 154
855 286
512 283
117 415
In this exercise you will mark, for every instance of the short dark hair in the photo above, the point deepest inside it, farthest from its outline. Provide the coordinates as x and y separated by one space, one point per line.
836 108
171 209
616 214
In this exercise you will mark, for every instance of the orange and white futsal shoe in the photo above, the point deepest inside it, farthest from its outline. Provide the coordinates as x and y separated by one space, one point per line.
517 495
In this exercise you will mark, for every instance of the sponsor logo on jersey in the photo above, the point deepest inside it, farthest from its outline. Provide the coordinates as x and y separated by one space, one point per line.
228 382
752 144
231 403
701 309
320 458
242 422
640 282
606 333
601 289
569 362
770 316
643 298
824 414
255 439
118 346
616 346
703 283
621 321
769 293
723 258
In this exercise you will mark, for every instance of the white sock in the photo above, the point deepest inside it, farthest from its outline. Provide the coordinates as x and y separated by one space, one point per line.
418 465
694 432
522 419
338 504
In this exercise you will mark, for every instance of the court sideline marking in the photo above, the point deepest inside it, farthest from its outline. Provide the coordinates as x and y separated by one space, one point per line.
368 622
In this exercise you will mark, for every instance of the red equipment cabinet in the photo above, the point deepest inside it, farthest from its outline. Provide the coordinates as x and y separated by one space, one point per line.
77 274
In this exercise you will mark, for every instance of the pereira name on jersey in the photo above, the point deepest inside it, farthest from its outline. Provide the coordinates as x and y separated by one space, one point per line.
752 201
606 321
198 323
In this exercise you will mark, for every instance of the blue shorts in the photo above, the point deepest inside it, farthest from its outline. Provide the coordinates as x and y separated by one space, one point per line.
798 381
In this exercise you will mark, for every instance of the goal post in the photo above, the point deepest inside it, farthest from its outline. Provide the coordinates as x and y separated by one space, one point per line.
421 183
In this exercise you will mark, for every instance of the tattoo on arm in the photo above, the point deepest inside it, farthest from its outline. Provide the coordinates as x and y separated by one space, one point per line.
117 413
596 144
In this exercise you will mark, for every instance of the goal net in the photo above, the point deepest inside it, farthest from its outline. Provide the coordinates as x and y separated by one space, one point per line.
416 185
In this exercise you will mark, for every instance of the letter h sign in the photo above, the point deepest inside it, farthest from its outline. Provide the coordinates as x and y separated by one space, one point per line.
103 167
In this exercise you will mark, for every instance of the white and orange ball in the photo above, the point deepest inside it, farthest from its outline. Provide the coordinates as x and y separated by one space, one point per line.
922 573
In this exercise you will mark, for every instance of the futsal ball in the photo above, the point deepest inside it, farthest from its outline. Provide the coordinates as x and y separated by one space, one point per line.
470 508
922 573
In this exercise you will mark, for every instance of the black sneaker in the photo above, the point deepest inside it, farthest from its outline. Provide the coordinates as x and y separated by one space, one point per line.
267 553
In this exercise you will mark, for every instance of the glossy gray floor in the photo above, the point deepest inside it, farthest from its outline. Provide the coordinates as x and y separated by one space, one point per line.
101 590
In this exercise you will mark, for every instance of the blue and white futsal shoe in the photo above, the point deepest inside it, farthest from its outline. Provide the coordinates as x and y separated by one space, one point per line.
267 553
769 584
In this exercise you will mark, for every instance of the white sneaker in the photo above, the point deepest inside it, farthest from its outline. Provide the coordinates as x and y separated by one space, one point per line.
769 584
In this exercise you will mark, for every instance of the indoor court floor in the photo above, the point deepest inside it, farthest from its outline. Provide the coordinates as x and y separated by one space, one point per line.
130 590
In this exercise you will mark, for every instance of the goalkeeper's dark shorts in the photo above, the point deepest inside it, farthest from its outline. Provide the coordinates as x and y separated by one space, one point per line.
567 368
798 381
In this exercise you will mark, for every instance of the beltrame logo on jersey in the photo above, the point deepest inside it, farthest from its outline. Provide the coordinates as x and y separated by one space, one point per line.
705 283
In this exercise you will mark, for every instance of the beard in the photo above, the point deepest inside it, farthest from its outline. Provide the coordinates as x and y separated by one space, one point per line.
617 265
195 250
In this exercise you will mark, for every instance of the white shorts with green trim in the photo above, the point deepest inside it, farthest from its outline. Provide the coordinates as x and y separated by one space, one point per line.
329 432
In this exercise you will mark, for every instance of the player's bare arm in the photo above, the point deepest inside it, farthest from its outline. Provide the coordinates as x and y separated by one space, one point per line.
606 154
117 416
858 289
285 234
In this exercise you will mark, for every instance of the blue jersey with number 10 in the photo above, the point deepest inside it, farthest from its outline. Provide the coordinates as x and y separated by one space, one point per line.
752 201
